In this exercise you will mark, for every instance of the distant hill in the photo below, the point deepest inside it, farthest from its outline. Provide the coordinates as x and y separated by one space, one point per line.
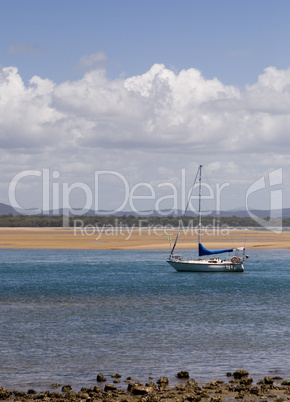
7 209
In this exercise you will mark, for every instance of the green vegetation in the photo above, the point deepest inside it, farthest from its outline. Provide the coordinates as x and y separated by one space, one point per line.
126 220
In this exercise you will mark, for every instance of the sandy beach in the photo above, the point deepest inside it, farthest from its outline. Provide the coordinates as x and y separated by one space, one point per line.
92 238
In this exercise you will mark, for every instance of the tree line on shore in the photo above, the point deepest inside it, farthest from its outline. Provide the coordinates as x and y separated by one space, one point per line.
128 221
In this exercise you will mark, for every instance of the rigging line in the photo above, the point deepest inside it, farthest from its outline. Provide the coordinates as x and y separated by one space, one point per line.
188 200
191 190
211 186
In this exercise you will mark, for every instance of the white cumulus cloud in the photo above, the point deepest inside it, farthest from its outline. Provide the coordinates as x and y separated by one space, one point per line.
145 126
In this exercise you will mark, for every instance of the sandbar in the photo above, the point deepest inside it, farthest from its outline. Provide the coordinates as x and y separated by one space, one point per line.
150 238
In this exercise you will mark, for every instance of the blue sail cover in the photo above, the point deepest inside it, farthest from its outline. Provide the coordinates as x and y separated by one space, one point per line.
203 251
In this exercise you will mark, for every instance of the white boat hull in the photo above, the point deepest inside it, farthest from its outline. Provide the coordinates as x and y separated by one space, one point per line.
206 266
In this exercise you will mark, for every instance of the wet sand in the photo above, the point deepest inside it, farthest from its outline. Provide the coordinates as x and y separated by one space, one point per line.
92 238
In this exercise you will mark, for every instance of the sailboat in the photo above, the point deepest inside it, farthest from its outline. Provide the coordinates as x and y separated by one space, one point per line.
208 264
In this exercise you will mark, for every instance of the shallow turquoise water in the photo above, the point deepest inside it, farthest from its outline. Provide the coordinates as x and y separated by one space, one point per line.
68 315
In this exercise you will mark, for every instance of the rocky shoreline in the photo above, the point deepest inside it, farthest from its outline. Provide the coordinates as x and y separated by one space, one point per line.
239 386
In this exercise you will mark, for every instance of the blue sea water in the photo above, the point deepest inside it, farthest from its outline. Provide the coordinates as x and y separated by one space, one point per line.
67 315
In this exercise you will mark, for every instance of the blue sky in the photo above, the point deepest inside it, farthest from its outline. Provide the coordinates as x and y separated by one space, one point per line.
218 94
231 40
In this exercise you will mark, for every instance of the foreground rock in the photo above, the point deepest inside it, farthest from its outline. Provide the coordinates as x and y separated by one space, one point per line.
239 387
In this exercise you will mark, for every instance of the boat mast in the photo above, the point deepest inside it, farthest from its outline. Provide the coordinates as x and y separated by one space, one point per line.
199 206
